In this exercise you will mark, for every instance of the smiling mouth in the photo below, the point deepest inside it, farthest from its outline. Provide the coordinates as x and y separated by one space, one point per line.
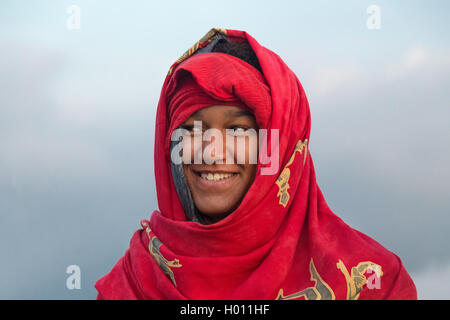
209 176
214 175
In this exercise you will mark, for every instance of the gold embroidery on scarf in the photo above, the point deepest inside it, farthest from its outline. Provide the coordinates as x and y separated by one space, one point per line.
199 44
357 279
283 179
320 291
165 265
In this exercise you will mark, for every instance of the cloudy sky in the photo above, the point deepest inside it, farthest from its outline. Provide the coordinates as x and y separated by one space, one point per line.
77 109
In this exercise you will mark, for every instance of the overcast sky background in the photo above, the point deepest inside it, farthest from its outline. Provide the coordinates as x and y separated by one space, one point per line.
77 110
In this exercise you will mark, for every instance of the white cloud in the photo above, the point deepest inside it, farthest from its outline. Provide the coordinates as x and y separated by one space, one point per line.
416 56
329 80
420 63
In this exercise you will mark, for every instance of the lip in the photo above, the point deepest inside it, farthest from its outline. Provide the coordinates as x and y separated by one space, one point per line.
207 185
199 171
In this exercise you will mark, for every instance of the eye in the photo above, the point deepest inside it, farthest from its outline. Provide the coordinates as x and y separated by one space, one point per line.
191 128
237 131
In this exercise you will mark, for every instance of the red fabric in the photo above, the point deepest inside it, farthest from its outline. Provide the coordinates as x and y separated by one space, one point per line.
267 248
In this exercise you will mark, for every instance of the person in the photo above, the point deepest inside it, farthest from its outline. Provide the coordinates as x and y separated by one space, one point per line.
230 229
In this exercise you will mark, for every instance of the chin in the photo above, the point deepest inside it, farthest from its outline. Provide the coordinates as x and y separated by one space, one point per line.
210 211
214 212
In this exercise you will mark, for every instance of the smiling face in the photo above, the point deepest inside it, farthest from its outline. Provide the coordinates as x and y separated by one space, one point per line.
218 188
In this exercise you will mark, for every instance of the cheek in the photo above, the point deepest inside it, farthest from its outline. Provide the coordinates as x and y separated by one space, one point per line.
250 174
189 176
252 150
191 147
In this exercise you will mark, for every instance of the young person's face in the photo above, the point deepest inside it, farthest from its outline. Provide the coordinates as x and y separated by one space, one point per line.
218 188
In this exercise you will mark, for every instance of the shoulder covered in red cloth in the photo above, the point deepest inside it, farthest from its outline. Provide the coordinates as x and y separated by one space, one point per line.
393 283
398 283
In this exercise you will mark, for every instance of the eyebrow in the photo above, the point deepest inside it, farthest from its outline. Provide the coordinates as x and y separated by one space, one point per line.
240 113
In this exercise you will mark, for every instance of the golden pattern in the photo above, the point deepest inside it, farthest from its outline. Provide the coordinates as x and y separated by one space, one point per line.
283 179
203 42
165 265
357 279
320 291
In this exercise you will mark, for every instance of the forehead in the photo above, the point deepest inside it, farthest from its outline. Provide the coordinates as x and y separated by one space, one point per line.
223 111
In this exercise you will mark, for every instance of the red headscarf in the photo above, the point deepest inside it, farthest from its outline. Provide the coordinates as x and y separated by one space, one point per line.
283 241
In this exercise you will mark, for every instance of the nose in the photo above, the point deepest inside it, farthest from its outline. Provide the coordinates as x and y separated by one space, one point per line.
214 147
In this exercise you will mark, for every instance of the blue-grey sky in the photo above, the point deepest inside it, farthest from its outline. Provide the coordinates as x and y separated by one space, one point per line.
77 110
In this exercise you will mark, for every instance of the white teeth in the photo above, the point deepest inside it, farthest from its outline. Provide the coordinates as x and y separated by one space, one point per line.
215 176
